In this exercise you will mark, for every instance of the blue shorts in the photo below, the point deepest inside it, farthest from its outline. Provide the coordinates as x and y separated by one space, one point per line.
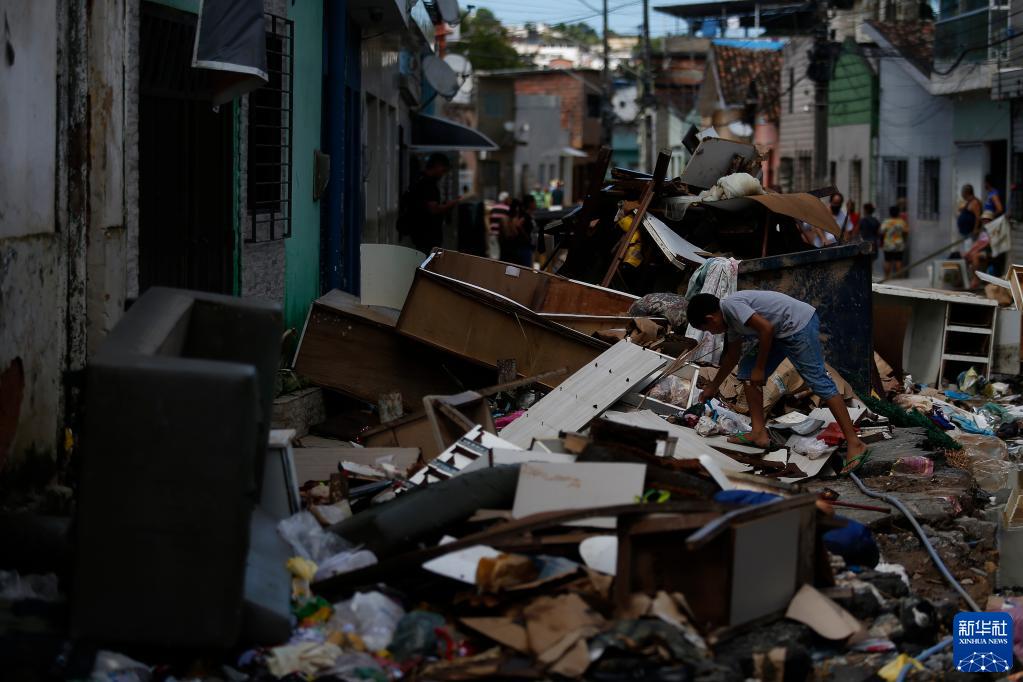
803 349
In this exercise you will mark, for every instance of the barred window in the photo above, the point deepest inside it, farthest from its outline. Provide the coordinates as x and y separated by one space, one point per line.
270 114
928 202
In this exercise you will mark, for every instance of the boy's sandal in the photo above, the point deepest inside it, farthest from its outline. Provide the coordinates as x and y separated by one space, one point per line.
741 439
855 463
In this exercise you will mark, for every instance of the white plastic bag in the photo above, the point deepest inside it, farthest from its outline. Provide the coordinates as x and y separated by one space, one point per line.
810 446
345 562
308 539
371 615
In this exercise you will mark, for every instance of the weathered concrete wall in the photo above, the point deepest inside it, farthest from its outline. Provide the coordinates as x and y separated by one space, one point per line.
42 275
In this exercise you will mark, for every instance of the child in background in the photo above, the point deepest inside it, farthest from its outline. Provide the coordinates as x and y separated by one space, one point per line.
893 241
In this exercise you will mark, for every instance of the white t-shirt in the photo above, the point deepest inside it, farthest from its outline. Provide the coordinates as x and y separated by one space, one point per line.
788 315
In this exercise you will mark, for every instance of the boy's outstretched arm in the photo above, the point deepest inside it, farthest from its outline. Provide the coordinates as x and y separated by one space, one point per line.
765 333
729 359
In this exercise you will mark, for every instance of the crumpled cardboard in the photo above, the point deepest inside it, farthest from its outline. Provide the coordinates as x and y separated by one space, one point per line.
556 625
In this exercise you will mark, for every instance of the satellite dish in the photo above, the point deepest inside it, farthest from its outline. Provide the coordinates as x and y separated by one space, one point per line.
459 65
440 76
463 68
449 11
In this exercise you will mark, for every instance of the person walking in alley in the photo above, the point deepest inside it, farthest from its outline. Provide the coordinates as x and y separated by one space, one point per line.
893 241
841 215
870 228
992 199
423 213
515 236
499 216
782 327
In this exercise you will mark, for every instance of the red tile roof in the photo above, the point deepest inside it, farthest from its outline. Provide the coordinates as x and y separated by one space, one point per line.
913 39
737 67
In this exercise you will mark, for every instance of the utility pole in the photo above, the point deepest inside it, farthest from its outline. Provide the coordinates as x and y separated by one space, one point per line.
819 71
607 109
648 92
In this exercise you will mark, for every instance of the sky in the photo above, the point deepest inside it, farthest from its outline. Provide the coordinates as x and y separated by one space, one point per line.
624 16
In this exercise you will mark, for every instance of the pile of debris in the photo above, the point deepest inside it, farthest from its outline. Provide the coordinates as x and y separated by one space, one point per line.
498 472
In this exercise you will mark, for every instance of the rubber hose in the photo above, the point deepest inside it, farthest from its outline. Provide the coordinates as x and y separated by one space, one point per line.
938 563
924 655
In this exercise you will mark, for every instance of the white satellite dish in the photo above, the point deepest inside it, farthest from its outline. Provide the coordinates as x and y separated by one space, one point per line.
449 11
459 65
441 76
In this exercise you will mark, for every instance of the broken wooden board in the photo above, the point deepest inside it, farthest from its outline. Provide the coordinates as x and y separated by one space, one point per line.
411 431
545 486
386 273
584 395
484 327
319 463
541 292
679 252
471 447
690 444
355 349
713 159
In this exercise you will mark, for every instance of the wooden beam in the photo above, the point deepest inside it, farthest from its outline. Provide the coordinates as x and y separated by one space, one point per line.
659 170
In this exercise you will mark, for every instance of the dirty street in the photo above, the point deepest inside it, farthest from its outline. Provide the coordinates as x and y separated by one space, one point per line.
608 340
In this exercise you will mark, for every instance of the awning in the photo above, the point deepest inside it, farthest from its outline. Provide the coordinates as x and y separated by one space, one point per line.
801 206
230 41
574 153
432 134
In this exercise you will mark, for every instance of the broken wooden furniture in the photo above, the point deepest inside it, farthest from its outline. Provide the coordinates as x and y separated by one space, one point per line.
355 349
432 432
168 529
948 331
733 569
485 325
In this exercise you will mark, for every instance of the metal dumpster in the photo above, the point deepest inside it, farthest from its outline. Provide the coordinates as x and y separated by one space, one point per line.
835 280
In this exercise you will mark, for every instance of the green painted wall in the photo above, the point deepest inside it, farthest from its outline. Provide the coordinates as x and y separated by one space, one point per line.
302 277
852 93
978 118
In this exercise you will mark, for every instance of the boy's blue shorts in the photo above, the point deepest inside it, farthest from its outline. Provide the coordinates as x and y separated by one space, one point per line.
803 349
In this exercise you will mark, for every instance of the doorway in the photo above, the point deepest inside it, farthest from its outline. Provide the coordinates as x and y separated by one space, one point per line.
186 163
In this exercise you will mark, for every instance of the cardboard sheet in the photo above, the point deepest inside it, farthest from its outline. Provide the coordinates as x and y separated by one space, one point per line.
553 487
824 616
506 456
460 565
502 630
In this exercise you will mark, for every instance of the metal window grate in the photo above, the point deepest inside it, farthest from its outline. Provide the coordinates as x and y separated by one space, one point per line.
270 131
929 194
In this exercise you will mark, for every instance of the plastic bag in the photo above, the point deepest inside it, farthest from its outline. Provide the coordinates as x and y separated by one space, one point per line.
987 457
810 446
345 562
915 465
416 635
707 427
308 539
371 615
967 380
728 421
671 389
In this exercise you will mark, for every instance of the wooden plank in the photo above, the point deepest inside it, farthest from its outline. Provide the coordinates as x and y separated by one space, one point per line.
355 349
317 464
663 159
585 394
485 327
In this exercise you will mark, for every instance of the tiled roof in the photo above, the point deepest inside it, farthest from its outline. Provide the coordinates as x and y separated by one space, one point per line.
913 39
737 67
